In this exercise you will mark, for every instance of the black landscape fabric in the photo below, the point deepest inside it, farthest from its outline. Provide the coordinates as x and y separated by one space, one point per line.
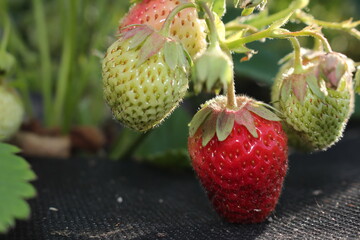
99 199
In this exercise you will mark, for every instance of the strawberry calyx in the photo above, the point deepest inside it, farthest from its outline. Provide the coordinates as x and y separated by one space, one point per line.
150 42
334 67
322 71
213 70
215 118
298 84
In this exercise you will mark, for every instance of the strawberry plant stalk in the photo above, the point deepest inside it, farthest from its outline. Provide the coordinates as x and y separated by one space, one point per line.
260 23
46 68
169 19
66 62
298 68
5 38
347 26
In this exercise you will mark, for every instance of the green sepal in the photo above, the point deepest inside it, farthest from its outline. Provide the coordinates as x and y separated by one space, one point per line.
224 124
219 69
212 70
285 90
139 38
244 117
209 128
125 35
262 111
198 120
299 87
175 55
333 68
357 81
152 45
171 54
314 86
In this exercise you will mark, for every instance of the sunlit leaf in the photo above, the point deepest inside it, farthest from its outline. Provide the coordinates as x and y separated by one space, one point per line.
15 173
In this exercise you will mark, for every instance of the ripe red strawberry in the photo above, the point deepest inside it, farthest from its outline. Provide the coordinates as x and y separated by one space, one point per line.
240 158
186 26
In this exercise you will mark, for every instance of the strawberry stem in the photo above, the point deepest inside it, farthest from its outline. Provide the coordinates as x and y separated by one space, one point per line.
6 33
347 26
214 37
66 63
251 38
307 33
298 67
231 96
43 45
165 30
262 22
214 42
318 45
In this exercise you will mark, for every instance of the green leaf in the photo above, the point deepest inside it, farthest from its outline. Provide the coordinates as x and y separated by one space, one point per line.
167 145
174 159
15 173
263 66
126 139
219 7
247 11
357 81
279 23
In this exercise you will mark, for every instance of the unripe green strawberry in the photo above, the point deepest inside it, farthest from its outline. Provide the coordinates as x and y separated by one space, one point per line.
240 157
7 61
145 77
11 112
186 26
317 103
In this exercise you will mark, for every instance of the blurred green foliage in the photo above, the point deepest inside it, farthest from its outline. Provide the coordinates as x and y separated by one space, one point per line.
76 37
264 65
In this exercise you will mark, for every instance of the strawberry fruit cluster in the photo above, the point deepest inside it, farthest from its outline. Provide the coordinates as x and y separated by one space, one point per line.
238 146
